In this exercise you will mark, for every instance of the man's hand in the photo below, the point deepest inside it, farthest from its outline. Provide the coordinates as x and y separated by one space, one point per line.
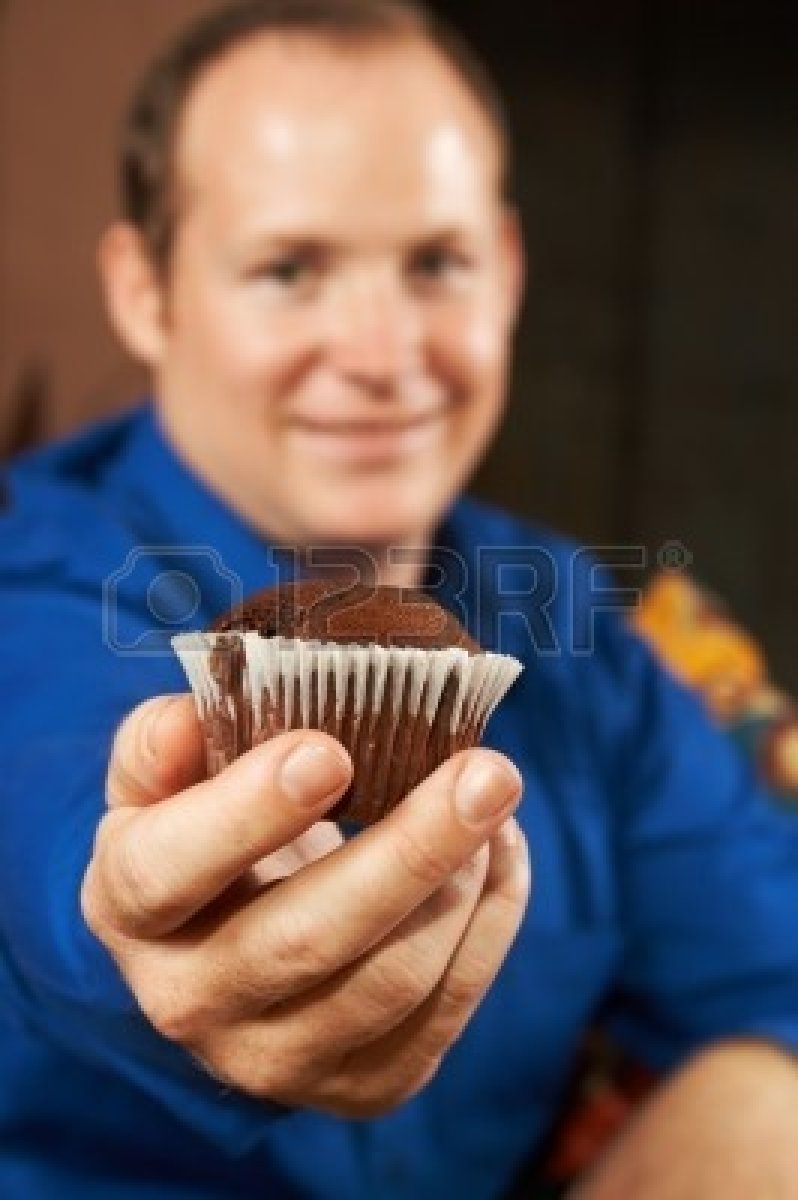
296 967
723 1127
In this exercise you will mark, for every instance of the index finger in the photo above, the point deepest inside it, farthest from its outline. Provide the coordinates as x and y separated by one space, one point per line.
155 867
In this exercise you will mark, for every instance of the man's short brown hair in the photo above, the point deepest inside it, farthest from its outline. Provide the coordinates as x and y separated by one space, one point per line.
150 131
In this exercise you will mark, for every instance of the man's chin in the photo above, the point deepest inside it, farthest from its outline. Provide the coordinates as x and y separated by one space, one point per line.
377 529
360 534
376 516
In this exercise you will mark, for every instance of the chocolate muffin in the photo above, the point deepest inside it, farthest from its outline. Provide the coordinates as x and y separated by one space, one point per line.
331 610
385 670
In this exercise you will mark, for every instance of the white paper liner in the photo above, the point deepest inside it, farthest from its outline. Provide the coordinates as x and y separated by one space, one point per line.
400 711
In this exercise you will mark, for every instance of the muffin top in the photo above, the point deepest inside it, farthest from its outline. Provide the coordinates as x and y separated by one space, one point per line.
334 610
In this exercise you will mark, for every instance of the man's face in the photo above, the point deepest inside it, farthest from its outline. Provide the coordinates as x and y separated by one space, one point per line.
341 292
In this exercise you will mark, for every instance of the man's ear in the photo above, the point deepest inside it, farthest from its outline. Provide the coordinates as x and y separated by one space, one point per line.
133 292
514 265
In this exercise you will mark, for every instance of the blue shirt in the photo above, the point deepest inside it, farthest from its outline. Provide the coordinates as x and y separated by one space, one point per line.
666 884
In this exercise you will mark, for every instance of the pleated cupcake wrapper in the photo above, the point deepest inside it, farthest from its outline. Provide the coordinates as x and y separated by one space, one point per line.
400 712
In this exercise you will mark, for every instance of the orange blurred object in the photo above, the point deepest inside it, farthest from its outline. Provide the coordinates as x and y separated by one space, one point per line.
692 634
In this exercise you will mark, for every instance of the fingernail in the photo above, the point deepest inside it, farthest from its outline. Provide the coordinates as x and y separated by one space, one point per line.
153 723
486 788
312 773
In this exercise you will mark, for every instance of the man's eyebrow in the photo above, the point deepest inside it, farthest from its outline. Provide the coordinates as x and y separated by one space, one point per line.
282 239
278 239
442 233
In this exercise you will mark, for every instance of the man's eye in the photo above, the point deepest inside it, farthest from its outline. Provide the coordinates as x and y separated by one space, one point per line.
285 272
439 263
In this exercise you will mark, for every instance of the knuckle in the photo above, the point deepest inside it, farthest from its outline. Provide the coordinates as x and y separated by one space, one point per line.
252 1080
280 1075
396 989
171 1021
243 986
296 949
462 990
176 1013
138 888
231 1055
421 861
244 1070
213 1057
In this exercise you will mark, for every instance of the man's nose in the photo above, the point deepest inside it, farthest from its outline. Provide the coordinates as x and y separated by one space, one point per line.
375 331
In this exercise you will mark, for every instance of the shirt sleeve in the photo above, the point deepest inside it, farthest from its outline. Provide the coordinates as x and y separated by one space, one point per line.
708 870
65 694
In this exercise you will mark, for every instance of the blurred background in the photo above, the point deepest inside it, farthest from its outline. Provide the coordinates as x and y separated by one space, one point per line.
656 385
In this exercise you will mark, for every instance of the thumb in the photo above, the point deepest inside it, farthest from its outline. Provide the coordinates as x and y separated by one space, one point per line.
157 751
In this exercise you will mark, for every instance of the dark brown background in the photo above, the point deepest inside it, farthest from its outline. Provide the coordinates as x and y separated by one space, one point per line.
657 367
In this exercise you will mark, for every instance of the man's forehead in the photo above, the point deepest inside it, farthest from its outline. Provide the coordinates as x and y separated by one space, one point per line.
298 105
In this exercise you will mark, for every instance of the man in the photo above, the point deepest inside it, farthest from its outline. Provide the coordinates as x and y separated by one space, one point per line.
206 991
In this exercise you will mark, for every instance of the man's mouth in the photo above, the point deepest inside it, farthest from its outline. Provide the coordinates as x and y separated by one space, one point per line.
369 441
